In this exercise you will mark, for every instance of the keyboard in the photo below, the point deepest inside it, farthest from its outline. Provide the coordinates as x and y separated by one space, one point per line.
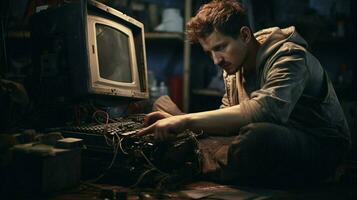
122 126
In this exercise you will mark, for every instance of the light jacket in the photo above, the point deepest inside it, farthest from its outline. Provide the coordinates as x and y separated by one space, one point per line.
290 88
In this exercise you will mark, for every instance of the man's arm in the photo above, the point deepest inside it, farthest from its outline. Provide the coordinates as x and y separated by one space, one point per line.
224 121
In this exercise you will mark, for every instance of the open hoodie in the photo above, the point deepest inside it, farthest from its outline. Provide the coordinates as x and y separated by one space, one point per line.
291 88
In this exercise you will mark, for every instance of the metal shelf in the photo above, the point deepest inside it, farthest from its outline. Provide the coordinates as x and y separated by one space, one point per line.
164 35
18 34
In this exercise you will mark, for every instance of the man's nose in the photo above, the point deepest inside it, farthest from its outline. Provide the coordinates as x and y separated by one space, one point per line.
216 58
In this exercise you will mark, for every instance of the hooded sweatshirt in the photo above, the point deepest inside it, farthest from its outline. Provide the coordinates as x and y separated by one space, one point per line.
290 88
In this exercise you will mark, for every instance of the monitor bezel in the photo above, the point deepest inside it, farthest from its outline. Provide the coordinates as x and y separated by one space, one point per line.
138 89
101 85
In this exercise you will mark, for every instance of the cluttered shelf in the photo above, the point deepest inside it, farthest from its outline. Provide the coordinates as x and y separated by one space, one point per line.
18 34
164 35
148 35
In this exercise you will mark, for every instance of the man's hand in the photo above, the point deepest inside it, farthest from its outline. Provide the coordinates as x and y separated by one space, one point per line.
166 128
154 116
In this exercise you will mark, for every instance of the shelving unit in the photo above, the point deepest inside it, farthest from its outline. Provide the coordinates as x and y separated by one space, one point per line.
160 38
164 36
25 34
186 60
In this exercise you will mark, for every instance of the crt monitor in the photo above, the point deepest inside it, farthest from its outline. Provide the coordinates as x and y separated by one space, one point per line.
85 49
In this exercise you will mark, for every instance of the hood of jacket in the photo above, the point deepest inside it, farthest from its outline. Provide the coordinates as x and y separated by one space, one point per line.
271 39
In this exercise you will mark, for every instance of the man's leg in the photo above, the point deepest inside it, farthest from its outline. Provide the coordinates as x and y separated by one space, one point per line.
266 153
165 104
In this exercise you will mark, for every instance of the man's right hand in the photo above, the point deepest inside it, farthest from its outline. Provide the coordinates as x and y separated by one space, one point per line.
154 117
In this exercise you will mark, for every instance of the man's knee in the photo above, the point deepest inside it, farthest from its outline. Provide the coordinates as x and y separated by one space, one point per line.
259 135
261 129
255 148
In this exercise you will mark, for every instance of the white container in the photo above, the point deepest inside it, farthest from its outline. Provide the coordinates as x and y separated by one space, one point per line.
171 21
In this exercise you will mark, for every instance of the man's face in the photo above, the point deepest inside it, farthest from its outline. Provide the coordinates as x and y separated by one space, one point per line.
225 51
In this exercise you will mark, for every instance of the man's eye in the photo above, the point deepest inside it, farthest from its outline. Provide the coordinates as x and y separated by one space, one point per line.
220 47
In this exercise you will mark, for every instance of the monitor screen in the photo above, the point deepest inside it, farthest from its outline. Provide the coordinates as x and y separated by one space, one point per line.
113 54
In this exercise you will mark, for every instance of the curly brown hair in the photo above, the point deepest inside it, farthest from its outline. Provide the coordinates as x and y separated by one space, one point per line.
225 16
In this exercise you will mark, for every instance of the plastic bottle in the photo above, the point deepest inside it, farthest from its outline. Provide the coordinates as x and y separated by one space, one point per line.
154 90
163 90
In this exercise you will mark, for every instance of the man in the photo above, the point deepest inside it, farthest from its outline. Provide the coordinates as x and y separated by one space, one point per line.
280 121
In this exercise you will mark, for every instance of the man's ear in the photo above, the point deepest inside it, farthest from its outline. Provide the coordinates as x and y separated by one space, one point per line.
245 34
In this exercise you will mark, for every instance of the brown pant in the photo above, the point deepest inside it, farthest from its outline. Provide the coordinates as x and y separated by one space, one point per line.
265 153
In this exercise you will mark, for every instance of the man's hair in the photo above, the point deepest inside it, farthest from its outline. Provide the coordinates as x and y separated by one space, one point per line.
225 16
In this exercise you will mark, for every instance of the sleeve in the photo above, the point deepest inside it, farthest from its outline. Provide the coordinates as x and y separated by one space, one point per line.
284 83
